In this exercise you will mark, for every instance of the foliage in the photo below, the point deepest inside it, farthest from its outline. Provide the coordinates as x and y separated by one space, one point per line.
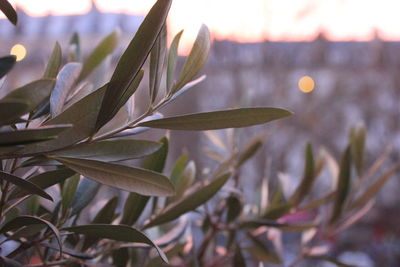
255 232
62 138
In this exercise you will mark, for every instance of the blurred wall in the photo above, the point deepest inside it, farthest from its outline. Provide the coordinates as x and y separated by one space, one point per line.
356 82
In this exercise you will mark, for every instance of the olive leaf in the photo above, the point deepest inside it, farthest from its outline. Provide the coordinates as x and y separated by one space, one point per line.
196 59
9 11
343 185
25 185
132 61
233 118
105 48
189 202
54 64
172 60
130 179
6 64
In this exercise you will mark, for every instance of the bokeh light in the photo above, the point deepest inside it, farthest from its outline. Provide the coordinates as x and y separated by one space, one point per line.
306 84
19 51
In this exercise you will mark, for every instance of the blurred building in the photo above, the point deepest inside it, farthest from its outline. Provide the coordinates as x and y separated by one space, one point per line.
355 83
92 23
38 34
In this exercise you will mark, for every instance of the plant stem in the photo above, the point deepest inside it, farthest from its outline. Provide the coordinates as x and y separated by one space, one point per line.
3 199
16 203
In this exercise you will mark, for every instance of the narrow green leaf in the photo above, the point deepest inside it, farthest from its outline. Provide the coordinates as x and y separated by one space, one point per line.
172 60
32 206
373 189
43 181
133 208
233 118
357 141
6 64
24 184
122 177
9 11
276 211
189 202
33 94
87 190
68 192
105 48
122 233
54 64
196 59
112 150
234 206
132 61
129 92
261 252
307 182
66 78
249 151
74 48
178 168
184 181
343 185
156 161
25 136
157 62
21 221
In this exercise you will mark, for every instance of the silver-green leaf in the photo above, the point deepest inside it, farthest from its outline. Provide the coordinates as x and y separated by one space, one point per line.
122 177
189 202
24 185
196 59
112 150
132 61
233 118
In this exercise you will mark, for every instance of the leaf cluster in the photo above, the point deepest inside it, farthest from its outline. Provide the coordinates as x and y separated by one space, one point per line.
63 137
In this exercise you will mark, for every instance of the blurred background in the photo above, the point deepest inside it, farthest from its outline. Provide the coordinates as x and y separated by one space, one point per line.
335 63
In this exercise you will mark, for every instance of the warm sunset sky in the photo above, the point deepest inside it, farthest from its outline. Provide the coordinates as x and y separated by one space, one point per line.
255 20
